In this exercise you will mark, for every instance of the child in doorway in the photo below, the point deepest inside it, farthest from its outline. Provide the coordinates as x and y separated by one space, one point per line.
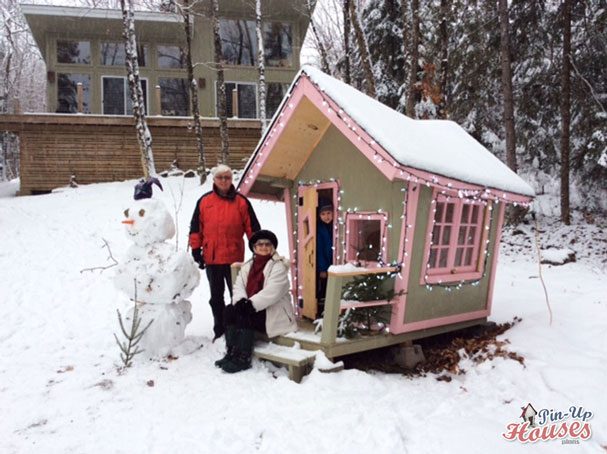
324 249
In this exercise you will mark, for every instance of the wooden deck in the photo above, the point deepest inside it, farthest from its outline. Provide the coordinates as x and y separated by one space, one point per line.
98 148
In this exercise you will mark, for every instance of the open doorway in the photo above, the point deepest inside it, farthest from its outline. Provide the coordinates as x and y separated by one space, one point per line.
316 249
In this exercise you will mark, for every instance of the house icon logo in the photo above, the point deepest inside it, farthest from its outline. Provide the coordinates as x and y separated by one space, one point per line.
529 414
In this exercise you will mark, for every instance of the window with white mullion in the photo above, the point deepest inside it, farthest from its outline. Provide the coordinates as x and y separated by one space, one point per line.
116 99
453 249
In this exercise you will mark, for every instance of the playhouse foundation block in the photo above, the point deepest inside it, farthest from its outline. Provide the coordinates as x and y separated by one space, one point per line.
408 355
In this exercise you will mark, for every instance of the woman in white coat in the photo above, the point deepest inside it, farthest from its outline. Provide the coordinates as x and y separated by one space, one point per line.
261 302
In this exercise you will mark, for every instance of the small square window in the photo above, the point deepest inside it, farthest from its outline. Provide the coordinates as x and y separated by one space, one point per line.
365 237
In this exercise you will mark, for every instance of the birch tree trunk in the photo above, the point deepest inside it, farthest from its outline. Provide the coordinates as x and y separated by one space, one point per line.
346 12
261 68
445 6
363 48
221 86
324 62
565 112
414 58
194 93
144 137
507 85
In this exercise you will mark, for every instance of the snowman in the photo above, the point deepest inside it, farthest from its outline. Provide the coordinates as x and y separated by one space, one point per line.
155 275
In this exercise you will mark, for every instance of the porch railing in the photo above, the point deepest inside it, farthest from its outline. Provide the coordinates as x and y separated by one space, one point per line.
333 305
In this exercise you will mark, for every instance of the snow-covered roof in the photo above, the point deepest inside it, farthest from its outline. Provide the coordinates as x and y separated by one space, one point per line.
440 147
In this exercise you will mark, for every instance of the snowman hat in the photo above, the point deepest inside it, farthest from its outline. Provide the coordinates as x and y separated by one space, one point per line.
143 189
263 235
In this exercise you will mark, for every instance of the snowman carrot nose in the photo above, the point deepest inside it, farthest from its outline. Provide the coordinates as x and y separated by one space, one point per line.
128 221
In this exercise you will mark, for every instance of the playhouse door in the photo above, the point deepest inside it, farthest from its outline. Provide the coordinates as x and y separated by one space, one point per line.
308 200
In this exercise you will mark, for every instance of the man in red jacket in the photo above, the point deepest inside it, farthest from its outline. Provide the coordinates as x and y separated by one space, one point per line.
221 218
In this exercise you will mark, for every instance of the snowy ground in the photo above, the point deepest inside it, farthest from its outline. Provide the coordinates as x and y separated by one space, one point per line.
60 390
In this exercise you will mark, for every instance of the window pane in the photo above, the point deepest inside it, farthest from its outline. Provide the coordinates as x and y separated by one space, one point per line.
75 52
114 54
475 210
461 238
458 256
449 216
278 44
238 41
247 101
67 97
442 262
438 216
369 237
432 260
471 236
174 97
436 234
113 95
468 260
274 94
171 57
446 235
465 213
129 103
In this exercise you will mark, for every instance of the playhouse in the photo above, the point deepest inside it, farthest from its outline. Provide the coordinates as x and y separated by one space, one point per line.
420 202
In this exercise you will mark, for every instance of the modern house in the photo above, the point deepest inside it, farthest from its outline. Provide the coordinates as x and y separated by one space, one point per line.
85 131
419 203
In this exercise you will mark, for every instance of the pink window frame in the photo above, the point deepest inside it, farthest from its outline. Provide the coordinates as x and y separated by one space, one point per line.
367 216
450 273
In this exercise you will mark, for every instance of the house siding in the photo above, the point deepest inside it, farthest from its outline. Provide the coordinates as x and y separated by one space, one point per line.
423 304
364 187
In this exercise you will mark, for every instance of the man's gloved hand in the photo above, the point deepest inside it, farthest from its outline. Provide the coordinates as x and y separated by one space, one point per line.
197 254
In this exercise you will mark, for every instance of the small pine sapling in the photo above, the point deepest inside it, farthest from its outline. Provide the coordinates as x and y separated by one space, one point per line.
129 348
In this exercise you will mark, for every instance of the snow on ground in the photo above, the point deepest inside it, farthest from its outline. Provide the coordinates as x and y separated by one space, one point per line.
60 390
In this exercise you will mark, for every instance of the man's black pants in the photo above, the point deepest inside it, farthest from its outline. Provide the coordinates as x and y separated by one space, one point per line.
218 276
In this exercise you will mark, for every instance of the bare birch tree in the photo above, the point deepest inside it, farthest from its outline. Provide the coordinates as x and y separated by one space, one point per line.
221 86
144 136
507 85
346 13
413 76
363 48
261 67
565 108
324 62
185 12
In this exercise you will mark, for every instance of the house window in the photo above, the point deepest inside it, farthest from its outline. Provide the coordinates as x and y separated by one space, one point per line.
116 97
174 97
74 52
67 92
171 57
365 237
114 54
238 41
278 44
247 99
453 251
275 93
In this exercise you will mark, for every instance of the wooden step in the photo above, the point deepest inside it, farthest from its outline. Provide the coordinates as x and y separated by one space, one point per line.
299 362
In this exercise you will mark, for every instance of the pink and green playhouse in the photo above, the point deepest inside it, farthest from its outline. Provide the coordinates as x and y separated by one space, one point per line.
418 207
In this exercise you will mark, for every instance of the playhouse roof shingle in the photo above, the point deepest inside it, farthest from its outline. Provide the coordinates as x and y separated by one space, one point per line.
437 146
